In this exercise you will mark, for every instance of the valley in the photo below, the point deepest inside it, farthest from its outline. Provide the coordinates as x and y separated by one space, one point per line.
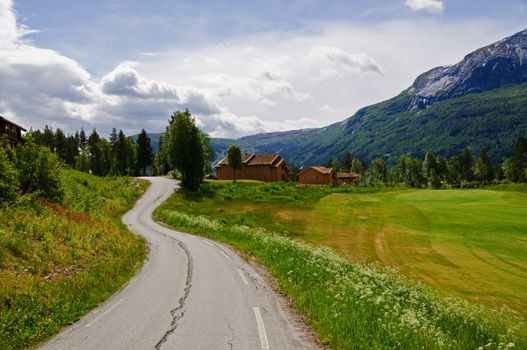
229 183
465 243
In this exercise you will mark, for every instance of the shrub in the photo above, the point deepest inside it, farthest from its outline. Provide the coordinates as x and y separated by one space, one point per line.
39 170
8 178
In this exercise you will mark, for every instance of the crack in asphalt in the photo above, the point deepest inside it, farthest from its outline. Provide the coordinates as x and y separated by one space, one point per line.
178 312
230 341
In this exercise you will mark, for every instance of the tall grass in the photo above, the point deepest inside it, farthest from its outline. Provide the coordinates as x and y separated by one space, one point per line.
58 261
354 306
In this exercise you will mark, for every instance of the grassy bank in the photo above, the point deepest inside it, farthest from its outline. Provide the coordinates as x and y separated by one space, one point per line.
58 261
350 305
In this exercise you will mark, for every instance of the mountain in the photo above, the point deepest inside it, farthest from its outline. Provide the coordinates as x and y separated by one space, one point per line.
488 68
480 102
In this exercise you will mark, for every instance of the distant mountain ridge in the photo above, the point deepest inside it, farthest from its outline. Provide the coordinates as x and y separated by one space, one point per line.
480 102
490 67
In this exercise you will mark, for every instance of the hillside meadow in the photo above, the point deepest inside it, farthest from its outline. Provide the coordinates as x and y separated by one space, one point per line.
466 244
58 261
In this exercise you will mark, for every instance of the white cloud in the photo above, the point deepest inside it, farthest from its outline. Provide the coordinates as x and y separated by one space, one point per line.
267 82
8 29
45 87
432 6
124 80
333 60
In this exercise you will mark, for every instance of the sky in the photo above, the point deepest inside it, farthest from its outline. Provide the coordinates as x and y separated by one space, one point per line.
240 67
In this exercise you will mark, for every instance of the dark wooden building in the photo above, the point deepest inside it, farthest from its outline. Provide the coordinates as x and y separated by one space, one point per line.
348 178
267 168
317 175
12 130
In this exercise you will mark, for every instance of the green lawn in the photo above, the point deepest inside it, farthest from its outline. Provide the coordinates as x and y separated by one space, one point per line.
352 303
467 243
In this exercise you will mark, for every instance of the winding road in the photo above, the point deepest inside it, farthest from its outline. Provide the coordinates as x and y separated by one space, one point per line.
192 293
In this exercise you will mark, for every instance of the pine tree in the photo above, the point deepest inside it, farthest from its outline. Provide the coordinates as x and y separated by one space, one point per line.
144 152
113 137
48 138
95 154
347 161
71 149
465 165
519 160
82 139
122 149
60 144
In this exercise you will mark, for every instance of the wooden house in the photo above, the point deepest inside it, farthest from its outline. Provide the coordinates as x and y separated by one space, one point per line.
348 178
12 130
267 168
316 175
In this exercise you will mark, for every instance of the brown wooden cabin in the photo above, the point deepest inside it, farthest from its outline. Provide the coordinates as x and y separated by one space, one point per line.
267 168
316 175
12 130
348 179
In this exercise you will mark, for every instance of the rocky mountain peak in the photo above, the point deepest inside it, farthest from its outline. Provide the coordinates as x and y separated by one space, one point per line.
491 67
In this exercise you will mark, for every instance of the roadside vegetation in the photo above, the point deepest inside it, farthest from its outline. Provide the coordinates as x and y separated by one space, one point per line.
63 249
367 297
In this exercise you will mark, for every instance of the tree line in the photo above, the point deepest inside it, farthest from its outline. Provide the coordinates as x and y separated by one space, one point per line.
119 155
434 171
35 164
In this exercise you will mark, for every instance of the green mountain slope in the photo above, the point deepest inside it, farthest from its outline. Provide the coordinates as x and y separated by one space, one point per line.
490 120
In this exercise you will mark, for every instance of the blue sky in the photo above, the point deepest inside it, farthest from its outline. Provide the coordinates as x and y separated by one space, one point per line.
241 66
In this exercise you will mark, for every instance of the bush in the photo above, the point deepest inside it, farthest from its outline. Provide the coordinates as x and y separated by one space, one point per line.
39 170
8 178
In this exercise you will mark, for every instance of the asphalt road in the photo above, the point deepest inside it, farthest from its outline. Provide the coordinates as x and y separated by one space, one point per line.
192 293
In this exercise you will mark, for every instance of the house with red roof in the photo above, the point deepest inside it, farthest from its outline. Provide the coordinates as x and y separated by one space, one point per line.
267 168
317 175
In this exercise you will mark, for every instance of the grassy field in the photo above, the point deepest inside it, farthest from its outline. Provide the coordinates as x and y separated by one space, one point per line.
470 244
58 261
